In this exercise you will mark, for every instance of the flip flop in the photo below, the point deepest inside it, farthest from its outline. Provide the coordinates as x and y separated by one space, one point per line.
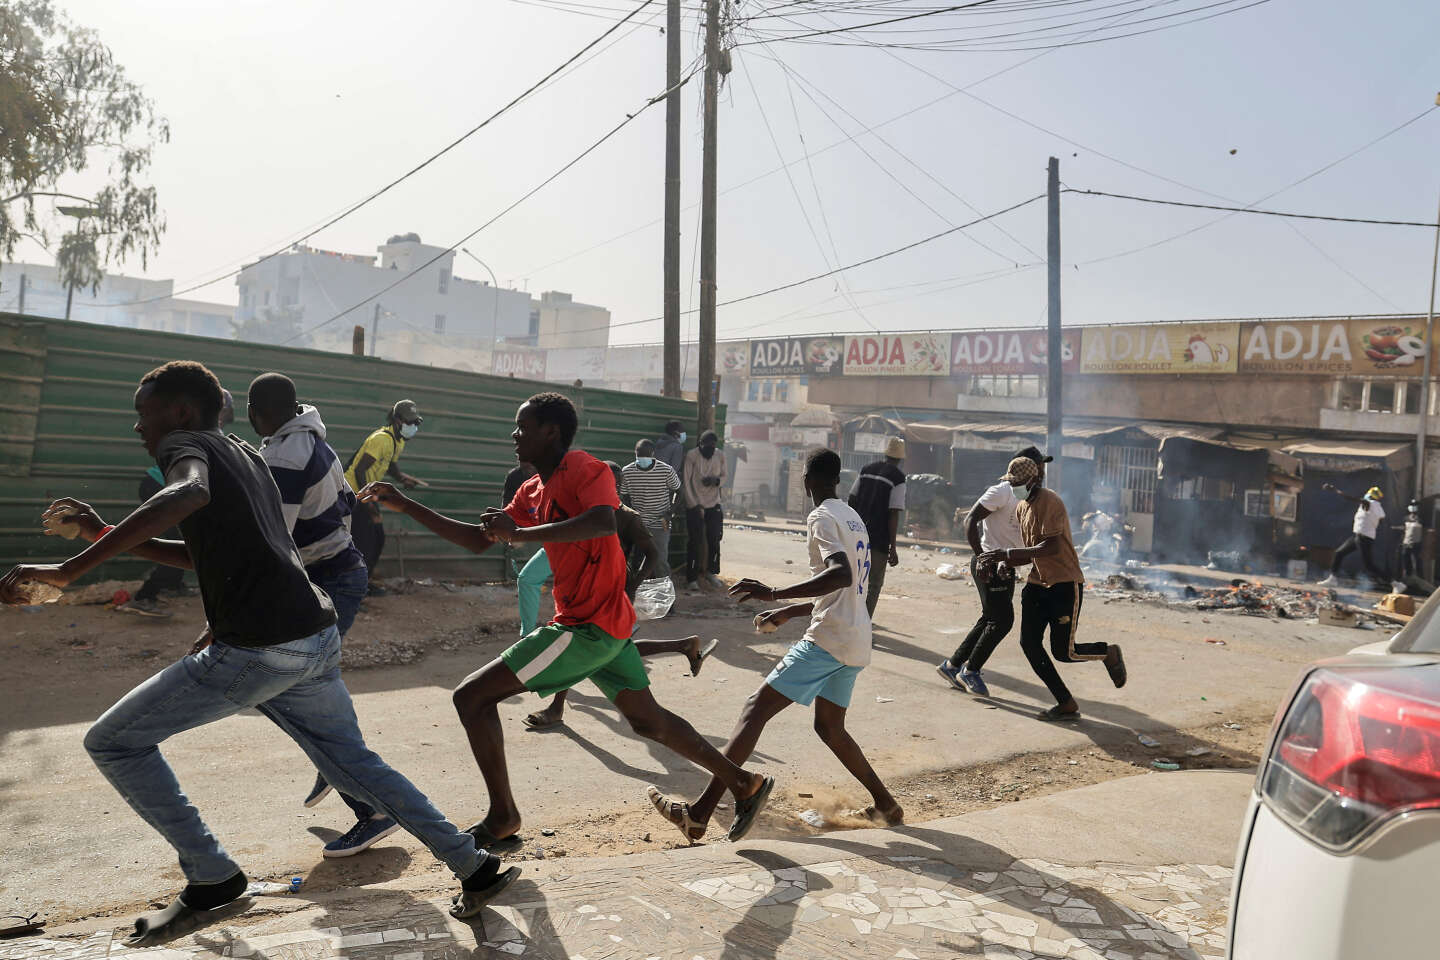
1054 715
26 925
467 903
748 809
1117 672
676 812
538 721
705 651
486 840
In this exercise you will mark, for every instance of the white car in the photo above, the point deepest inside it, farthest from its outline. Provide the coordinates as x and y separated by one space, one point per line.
1340 852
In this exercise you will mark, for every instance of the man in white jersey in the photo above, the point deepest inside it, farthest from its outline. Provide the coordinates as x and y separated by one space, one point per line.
822 666
991 525
1368 515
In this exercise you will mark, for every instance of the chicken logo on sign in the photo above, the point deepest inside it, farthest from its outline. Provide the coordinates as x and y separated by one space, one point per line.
1199 351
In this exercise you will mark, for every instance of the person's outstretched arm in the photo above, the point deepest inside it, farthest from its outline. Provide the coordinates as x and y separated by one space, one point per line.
187 489
471 536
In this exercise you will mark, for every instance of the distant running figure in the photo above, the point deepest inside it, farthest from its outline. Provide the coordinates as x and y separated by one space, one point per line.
1368 516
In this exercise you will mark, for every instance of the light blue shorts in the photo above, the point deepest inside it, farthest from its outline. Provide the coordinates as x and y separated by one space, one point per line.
807 672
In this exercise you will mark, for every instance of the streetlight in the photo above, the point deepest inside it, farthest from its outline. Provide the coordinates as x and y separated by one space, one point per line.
79 213
1429 361
494 320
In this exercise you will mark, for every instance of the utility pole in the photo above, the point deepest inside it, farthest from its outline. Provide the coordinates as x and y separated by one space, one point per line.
22 295
375 330
705 386
671 311
1055 443
1429 366
69 296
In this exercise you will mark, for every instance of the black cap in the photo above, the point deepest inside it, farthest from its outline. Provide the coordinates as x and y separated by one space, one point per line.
1033 453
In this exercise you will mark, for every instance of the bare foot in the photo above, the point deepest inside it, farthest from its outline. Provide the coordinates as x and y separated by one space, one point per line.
496 831
891 816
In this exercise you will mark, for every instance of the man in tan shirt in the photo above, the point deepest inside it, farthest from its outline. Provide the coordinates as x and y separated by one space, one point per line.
1052 595
704 521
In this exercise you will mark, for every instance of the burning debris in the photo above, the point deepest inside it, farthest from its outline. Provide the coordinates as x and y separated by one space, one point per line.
1241 596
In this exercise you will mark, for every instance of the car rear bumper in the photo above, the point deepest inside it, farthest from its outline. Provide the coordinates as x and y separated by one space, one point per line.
1294 900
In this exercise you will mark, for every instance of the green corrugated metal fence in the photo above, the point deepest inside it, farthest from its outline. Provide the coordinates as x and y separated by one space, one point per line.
66 418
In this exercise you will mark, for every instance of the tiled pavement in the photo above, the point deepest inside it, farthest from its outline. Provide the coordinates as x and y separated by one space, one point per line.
1013 883
767 906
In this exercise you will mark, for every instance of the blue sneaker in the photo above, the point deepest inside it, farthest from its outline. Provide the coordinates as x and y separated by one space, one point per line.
319 792
362 836
974 683
950 673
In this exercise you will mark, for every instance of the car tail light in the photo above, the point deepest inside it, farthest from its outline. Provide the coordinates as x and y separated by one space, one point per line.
1358 746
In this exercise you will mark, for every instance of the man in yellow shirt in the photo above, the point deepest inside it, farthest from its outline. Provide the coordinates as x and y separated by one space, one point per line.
377 458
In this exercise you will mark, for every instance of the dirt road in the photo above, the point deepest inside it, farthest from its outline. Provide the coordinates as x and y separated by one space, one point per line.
71 848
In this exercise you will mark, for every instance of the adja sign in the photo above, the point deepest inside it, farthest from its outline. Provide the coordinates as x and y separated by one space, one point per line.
796 357
898 355
1010 352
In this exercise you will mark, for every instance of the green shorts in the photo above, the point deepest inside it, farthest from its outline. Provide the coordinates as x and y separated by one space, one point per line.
556 657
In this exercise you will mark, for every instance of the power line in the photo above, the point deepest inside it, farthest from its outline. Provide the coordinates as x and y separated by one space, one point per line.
1268 213
829 273
418 167
527 195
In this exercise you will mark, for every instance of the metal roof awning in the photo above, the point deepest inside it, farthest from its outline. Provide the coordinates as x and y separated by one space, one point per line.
1348 456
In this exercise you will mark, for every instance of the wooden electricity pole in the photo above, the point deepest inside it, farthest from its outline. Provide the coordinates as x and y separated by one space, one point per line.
705 386
672 385
1055 443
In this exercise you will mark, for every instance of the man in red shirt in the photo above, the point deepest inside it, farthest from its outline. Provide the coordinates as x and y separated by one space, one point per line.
569 506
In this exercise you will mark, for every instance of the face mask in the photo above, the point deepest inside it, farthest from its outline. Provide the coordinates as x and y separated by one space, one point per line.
682 436
408 430
1021 493
645 463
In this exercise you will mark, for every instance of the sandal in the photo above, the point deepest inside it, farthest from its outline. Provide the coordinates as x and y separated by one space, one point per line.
539 721
748 809
699 660
467 903
1056 715
486 840
677 813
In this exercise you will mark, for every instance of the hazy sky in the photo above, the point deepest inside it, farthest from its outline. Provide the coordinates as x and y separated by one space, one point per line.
286 111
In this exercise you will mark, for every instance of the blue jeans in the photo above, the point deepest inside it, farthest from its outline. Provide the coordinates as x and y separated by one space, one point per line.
347 590
295 684
528 585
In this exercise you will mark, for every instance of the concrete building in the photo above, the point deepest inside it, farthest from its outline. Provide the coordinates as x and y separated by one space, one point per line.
119 301
305 286
560 322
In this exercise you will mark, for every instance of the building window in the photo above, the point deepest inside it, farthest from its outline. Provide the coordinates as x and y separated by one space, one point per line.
1410 392
439 323
782 391
444 280
752 392
1002 385
1382 396
767 392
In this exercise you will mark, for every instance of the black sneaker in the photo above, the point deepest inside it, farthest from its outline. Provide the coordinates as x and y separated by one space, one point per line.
376 590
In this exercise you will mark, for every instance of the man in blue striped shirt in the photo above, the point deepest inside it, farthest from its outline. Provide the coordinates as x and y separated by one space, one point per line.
317 504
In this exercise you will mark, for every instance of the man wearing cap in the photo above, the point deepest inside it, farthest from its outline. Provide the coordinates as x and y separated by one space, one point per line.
378 457
879 497
1368 515
1053 593
990 525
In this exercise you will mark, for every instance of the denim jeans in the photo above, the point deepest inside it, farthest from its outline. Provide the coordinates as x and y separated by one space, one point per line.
295 684
661 536
527 588
347 590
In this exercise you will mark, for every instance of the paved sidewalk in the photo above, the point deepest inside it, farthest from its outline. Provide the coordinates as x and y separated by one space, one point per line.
1133 869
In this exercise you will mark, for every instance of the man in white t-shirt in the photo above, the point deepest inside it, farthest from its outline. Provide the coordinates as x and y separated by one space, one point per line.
821 667
991 525
1368 515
